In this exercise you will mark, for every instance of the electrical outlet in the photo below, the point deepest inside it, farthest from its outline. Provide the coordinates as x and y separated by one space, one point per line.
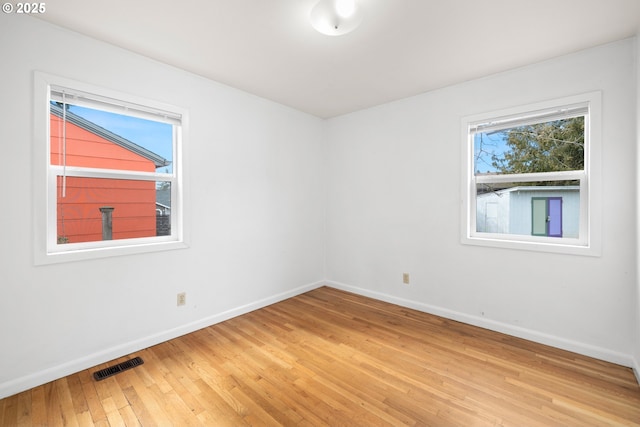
405 278
182 298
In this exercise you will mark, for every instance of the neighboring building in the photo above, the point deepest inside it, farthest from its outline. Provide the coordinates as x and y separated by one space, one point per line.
163 201
552 211
163 211
78 212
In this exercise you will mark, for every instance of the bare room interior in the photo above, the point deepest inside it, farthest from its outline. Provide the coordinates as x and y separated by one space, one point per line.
342 212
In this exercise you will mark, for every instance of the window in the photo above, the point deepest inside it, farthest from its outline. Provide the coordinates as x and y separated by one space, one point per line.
530 177
110 169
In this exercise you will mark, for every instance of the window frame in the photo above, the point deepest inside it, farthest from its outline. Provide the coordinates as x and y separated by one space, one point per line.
47 248
589 240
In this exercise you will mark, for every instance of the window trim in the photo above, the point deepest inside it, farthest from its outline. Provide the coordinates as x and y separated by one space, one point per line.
589 242
44 174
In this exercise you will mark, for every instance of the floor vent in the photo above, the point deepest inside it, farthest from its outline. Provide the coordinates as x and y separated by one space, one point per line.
112 370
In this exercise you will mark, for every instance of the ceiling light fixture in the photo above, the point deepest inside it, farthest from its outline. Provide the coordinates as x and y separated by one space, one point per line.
336 17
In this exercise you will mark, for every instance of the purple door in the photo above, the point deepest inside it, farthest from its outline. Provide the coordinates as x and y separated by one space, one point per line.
554 217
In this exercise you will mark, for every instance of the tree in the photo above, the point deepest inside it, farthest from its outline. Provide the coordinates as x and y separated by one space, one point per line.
544 147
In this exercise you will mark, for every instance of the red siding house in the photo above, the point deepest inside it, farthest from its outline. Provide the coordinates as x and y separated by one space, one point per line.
79 218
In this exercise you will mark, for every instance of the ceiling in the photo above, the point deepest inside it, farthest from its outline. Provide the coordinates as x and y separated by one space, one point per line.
402 48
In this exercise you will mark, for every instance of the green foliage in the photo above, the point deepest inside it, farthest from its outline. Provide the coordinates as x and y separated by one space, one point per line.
544 147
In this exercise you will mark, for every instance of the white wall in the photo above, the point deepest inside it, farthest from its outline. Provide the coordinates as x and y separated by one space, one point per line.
394 207
255 202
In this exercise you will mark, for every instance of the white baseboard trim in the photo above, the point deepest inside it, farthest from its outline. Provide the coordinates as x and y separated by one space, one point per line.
636 369
44 376
516 331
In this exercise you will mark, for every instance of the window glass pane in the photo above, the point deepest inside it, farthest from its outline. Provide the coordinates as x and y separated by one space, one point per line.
87 137
544 208
95 209
163 209
552 146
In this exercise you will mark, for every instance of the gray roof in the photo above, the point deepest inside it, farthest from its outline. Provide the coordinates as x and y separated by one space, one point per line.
89 126
497 189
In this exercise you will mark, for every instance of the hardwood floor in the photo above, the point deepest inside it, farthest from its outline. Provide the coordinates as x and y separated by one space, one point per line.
330 358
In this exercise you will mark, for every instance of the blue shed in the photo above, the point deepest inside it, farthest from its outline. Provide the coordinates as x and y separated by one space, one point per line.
552 211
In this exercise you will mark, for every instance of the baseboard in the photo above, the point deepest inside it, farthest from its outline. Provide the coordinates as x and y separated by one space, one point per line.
528 334
636 369
35 379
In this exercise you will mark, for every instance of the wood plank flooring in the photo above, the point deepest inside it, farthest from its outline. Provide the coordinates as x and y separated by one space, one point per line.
330 358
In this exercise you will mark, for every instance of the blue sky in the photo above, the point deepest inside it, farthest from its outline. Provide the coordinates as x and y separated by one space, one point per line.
152 135
484 146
